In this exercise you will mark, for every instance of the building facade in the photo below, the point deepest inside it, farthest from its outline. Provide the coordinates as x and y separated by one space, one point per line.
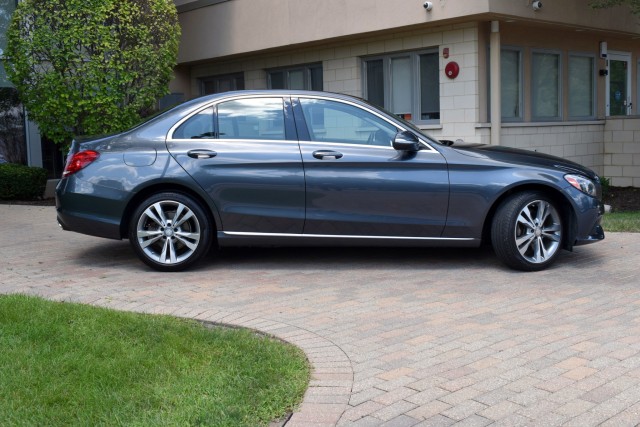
555 77
558 77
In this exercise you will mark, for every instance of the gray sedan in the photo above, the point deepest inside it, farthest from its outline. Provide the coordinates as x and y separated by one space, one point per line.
262 168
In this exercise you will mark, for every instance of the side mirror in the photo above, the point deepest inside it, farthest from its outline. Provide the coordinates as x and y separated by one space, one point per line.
406 141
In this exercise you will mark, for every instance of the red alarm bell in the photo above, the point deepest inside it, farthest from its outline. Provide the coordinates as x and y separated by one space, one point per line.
452 70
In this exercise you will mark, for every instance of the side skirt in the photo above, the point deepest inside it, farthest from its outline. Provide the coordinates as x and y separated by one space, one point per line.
236 238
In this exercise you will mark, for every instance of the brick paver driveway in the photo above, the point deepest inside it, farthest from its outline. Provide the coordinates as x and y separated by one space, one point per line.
396 337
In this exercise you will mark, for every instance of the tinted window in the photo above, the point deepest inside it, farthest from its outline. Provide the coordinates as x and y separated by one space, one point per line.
197 127
332 121
259 118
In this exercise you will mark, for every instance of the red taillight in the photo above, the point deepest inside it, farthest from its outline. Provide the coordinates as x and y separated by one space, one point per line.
79 161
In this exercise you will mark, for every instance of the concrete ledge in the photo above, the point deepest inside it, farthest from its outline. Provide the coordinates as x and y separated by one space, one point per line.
50 189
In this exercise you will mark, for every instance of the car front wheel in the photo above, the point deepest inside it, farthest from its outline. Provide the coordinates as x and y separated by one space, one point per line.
527 231
170 231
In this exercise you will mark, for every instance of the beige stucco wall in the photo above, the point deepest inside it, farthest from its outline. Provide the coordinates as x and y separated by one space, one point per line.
242 26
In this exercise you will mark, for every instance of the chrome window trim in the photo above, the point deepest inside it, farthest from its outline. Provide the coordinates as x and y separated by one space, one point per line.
215 104
369 110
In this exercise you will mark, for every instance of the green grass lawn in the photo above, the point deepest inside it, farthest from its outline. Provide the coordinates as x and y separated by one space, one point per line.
69 364
622 221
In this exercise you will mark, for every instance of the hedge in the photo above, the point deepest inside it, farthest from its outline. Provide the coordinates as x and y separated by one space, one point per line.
18 182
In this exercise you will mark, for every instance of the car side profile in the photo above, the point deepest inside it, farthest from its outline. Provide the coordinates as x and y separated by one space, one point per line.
298 168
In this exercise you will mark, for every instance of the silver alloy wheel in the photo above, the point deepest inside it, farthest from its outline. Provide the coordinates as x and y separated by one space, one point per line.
168 232
538 232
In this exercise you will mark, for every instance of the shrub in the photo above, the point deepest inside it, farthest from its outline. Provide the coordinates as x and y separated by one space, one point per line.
21 182
606 185
88 67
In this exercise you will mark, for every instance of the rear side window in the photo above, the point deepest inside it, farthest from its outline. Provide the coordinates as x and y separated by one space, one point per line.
258 118
197 127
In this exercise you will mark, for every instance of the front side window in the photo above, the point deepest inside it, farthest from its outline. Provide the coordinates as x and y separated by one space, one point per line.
581 86
304 77
545 86
257 118
408 85
337 122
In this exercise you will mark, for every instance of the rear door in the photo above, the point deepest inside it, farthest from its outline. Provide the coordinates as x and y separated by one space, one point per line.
244 153
357 184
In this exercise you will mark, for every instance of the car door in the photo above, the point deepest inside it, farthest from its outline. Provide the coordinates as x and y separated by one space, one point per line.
357 184
244 153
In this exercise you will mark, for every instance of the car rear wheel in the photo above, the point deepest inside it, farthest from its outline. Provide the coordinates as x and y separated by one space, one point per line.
170 231
527 231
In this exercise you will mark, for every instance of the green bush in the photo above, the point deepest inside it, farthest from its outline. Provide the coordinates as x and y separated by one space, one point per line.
18 182
606 185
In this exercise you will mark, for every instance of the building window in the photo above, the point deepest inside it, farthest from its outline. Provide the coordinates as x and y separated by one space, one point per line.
581 86
406 84
545 86
304 77
511 82
222 83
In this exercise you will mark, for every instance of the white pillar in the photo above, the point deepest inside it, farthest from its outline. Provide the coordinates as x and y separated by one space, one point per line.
496 88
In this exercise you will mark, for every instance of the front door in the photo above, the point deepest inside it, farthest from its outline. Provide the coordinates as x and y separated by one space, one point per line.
619 84
358 185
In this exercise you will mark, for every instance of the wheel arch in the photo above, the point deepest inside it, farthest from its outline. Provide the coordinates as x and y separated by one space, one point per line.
563 203
146 192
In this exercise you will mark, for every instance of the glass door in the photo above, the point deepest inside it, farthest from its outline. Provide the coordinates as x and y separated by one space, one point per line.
619 84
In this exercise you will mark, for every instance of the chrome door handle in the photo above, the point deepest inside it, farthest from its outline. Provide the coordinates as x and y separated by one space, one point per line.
327 154
201 154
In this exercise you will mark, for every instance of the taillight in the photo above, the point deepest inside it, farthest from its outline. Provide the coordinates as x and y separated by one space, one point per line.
79 161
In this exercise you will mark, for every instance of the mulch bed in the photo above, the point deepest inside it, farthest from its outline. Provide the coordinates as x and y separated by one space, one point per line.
623 199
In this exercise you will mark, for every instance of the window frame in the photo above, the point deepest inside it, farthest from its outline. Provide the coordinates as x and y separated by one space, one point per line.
375 122
290 133
305 68
594 85
216 79
560 98
521 94
414 56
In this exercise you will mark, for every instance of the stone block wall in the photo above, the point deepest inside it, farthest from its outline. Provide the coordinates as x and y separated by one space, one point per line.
622 151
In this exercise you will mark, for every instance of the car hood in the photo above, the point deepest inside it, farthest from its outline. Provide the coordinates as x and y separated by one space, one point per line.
522 157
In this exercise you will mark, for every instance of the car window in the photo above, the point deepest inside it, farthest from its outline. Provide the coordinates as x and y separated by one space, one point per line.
197 127
331 121
256 118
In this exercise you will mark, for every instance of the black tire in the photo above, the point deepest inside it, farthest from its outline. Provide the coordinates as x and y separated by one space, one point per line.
165 243
527 231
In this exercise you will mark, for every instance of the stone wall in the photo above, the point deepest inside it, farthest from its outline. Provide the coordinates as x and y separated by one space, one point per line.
622 151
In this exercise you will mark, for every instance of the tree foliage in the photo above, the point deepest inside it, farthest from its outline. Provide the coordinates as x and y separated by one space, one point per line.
602 4
86 67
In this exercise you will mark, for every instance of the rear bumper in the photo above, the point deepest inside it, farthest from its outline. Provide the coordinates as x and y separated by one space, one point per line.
92 226
87 212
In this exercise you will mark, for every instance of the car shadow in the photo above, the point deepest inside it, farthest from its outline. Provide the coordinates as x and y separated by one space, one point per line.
109 254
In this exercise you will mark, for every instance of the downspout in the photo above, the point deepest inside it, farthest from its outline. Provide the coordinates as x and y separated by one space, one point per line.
496 88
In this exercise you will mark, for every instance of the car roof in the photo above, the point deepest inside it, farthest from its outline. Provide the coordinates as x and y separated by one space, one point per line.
276 92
